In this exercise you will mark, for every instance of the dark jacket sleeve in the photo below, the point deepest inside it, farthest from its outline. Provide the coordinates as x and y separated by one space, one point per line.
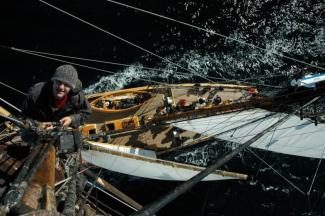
26 108
84 110
29 109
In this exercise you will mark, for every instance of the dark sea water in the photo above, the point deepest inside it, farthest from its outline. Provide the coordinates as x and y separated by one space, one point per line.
291 28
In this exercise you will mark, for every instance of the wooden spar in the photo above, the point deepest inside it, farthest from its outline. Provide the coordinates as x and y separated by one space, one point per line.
13 120
4 112
41 190
114 190
163 201
166 162
13 198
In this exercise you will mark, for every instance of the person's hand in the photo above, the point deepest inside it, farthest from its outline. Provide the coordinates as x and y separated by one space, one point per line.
45 125
66 121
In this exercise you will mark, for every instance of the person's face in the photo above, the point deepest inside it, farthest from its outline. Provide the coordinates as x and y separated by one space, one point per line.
60 89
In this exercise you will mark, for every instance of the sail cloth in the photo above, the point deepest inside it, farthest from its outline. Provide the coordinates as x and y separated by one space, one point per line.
293 137
136 164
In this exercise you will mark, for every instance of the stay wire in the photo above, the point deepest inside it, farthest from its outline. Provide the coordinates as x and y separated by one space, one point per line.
93 60
265 153
11 105
279 174
117 199
12 88
251 121
214 79
218 34
114 63
122 39
316 171
81 65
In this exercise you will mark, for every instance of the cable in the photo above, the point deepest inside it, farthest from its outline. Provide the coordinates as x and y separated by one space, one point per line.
219 79
287 180
8 86
9 104
105 192
317 168
81 65
92 60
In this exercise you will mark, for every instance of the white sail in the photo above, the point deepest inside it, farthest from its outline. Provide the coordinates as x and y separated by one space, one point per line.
293 137
104 156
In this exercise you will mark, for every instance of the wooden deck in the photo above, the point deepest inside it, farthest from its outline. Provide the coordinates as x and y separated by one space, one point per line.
181 97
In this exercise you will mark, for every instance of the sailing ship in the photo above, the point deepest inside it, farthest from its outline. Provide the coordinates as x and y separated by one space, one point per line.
131 130
138 126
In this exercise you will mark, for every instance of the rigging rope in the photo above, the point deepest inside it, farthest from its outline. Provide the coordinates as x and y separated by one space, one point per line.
85 198
122 39
317 168
104 205
218 79
142 67
287 180
92 60
9 104
112 63
105 192
81 65
218 34
8 86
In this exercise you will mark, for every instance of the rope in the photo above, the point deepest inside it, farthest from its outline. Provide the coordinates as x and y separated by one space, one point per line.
122 39
81 65
67 179
318 165
12 106
147 68
93 60
287 180
95 205
218 34
127 65
216 134
219 79
83 202
121 201
8 86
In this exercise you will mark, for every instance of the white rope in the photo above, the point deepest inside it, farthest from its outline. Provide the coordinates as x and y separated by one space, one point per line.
119 64
122 39
142 67
318 165
287 180
67 179
8 86
9 104
105 192
81 65
218 79
95 60
215 33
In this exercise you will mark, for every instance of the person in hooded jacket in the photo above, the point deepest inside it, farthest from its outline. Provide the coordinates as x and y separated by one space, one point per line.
58 100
